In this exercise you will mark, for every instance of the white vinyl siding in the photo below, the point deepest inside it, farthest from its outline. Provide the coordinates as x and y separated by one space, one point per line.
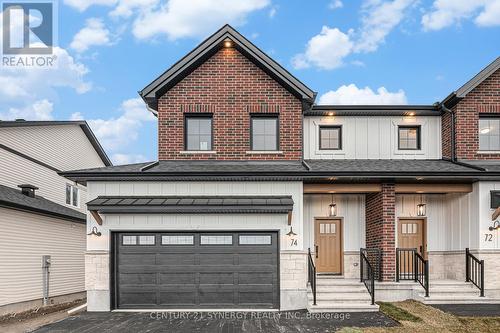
24 239
51 185
64 147
373 137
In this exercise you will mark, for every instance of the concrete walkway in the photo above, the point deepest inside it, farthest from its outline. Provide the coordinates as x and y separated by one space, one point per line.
470 310
225 322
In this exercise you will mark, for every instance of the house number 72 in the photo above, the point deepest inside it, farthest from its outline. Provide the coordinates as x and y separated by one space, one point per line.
488 237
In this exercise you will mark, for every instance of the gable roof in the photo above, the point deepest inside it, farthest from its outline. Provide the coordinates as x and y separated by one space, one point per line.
461 92
83 125
209 47
13 198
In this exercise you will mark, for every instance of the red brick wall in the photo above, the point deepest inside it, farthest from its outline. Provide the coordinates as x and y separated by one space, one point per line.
485 98
231 87
380 228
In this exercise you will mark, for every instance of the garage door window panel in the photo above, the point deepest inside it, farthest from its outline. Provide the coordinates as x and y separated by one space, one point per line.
177 240
216 240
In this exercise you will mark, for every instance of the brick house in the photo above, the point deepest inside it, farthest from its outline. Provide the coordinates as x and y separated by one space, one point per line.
261 199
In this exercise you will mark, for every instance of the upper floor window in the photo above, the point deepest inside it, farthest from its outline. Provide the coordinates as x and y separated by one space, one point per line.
198 132
265 134
409 137
330 137
489 133
72 195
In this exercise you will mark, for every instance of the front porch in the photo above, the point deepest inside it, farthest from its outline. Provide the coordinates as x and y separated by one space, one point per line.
391 242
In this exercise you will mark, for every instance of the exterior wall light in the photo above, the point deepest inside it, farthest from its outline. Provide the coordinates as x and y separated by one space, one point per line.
332 208
94 232
421 208
496 225
228 43
291 233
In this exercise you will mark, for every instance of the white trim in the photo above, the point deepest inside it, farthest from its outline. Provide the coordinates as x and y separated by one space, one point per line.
488 152
329 122
276 152
198 152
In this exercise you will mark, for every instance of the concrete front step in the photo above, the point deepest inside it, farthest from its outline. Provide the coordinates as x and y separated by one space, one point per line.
341 297
458 299
342 307
344 289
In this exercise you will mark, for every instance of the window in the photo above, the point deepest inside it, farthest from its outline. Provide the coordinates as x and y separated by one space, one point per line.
255 239
264 130
177 240
72 195
409 137
489 133
330 137
198 132
138 240
216 240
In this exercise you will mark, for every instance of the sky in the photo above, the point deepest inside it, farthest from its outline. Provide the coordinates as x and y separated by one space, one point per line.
350 52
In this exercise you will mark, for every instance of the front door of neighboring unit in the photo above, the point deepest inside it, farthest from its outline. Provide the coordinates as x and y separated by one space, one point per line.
328 245
411 235
191 270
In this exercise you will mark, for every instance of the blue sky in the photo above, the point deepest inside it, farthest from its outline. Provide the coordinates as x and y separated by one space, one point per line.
350 52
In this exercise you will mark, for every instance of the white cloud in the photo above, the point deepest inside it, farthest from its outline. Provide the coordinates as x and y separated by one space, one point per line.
380 18
334 4
82 5
76 116
120 159
351 94
94 33
180 18
126 8
116 133
325 50
273 11
40 110
445 13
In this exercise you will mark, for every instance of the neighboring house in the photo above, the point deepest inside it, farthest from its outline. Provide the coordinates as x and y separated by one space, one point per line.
43 213
258 193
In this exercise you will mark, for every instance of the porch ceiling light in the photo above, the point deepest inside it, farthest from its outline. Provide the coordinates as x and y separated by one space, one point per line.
94 232
421 208
332 209
496 225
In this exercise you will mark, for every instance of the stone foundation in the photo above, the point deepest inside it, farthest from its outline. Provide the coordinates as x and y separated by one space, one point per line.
351 265
446 265
293 280
97 280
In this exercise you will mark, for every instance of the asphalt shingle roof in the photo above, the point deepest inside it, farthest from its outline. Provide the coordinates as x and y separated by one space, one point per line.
192 204
10 197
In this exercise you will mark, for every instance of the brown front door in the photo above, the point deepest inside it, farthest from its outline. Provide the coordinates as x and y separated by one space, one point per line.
328 241
411 235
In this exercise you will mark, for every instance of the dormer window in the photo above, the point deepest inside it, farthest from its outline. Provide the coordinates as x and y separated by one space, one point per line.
198 132
409 137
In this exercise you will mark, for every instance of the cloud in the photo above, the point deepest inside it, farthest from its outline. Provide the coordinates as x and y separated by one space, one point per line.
325 51
82 5
126 8
379 19
180 18
334 4
116 133
94 33
446 13
120 159
351 94
328 49
40 110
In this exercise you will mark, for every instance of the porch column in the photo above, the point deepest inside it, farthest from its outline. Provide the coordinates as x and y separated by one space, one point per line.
380 227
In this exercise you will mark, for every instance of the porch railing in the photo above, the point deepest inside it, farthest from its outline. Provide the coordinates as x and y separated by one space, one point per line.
374 256
411 266
474 271
367 273
311 274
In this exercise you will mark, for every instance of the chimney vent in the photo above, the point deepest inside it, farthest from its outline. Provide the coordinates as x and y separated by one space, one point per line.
28 190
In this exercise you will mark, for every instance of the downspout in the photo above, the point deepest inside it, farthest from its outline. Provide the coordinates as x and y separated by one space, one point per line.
445 109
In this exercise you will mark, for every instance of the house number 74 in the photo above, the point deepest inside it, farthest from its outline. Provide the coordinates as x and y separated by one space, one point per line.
293 242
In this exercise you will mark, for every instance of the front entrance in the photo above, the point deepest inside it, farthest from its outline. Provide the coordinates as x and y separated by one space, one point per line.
411 234
328 245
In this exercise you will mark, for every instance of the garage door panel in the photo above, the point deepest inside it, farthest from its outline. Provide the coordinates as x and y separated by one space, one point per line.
197 275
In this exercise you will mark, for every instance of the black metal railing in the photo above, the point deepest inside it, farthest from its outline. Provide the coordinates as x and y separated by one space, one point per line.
374 256
311 275
474 271
367 274
411 266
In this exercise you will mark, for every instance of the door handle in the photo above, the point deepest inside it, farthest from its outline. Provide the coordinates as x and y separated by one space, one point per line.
317 251
421 249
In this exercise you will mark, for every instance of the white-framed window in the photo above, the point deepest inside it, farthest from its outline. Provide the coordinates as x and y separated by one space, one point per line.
489 133
72 195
